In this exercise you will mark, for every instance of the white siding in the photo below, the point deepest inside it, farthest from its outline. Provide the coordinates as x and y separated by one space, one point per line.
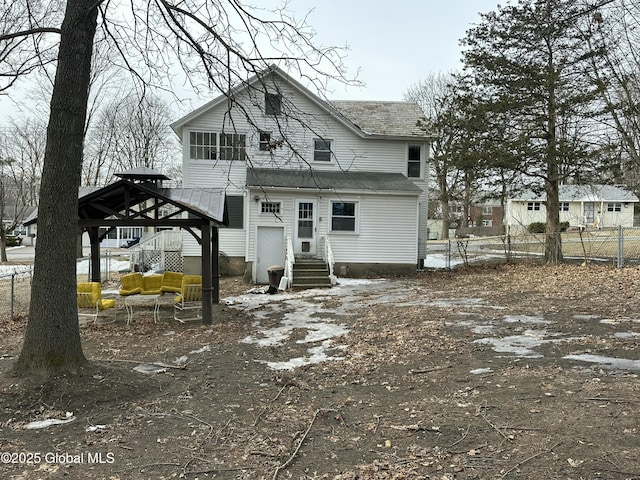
387 224
518 217
388 231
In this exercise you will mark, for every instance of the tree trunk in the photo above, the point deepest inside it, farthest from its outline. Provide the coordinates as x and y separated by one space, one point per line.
52 339
3 245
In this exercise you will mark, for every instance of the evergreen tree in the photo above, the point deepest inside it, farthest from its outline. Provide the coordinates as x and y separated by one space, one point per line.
529 60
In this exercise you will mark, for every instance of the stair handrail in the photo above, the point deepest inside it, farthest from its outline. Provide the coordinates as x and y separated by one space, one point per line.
289 260
162 240
329 259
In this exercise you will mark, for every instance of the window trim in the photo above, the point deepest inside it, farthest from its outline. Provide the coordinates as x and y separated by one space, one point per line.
211 146
267 211
235 211
356 217
264 145
220 149
272 108
418 161
328 141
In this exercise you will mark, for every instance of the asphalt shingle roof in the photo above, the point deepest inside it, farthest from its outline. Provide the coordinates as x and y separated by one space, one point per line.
331 180
585 193
401 119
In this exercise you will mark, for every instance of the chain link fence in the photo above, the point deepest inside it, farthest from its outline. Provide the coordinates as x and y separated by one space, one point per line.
15 292
617 246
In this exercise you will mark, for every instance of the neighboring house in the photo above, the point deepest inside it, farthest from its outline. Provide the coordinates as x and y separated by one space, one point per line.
486 214
310 175
26 232
592 206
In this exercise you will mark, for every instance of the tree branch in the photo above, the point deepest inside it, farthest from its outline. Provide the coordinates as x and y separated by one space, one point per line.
29 32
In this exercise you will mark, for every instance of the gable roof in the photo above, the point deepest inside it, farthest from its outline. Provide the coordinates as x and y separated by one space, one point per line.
584 193
331 180
366 119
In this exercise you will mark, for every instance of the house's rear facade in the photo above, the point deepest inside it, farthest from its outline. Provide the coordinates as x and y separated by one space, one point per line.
301 172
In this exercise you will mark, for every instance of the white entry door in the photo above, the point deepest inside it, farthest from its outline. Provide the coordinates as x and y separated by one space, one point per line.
269 251
305 227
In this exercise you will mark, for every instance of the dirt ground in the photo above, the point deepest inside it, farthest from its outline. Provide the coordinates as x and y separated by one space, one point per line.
492 372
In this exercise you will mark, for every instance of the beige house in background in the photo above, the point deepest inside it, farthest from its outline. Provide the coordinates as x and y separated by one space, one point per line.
591 206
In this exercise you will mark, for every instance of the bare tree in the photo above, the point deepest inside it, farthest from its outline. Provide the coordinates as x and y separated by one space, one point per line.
614 32
436 96
129 132
21 157
21 54
218 42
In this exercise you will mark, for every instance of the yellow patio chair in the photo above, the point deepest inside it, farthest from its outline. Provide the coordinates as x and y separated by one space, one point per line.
90 301
189 299
131 284
172 282
151 285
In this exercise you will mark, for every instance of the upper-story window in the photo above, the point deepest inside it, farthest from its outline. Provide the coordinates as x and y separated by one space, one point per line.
203 145
272 103
414 162
264 141
233 146
322 150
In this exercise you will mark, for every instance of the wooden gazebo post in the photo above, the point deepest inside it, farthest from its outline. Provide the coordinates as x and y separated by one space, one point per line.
207 274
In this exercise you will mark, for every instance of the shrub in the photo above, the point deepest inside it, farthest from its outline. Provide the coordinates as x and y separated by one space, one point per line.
537 227
564 226
14 241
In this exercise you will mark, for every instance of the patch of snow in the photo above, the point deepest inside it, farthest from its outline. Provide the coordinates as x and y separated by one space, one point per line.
316 355
47 423
480 371
607 362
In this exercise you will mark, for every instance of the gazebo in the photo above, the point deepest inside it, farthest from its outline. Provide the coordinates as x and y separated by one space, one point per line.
138 199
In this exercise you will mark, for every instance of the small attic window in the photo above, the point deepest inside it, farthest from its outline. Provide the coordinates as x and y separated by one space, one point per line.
272 103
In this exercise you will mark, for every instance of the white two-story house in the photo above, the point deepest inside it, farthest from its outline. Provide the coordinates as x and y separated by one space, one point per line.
335 180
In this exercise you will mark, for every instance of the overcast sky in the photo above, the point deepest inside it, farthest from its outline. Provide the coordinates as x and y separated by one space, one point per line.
393 44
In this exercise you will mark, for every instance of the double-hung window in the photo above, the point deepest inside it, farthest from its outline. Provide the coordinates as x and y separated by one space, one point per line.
614 207
322 150
533 206
414 161
272 103
343 216
564 206
264 141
